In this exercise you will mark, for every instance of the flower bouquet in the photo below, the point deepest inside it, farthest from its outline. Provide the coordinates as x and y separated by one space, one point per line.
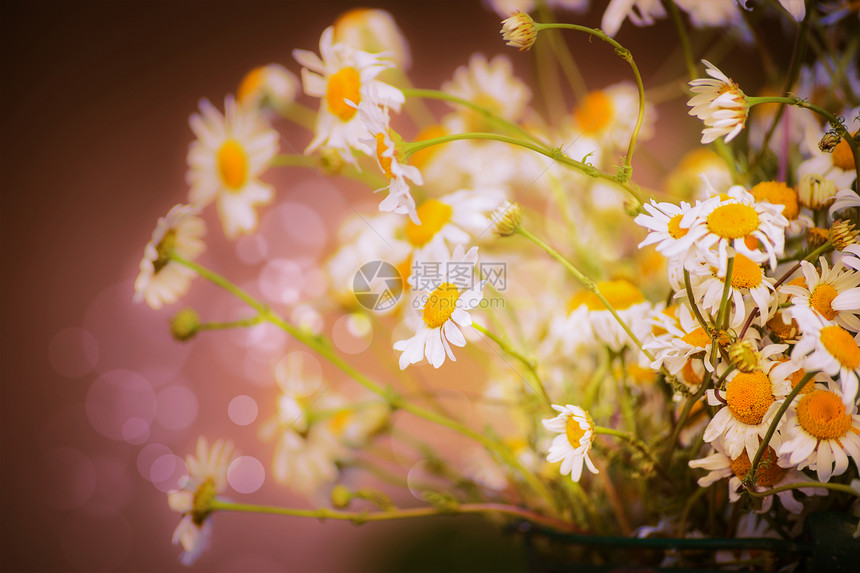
660 372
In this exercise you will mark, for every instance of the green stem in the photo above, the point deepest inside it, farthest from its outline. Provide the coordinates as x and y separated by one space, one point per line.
692 300
324 348
555 154
300 115
233 324
834 121
486 112
831 486
527 362
750 477
590 285
314 163
361 517
625 54
683 37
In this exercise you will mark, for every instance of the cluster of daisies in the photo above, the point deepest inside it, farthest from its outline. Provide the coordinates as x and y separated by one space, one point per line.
758 285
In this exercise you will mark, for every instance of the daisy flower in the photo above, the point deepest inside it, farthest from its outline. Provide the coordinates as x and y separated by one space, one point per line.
490 84
272 85
373 30
833 294
451 220
772 472
837 165
162 280
720 103
609 115
399 199
748 278
820 432
344 78
447 296
680 344
751 400
226 160
207 477
734 219
576 433
828 347
303 462
663 221
519 31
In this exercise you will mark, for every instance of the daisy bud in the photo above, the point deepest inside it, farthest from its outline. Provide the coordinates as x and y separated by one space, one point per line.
331 160
507 218
828 142
341 497
744 355
184 325
842 234
816 192
519 31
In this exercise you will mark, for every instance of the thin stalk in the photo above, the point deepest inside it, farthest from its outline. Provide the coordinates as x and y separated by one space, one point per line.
527 362
245 322
803 484
683 37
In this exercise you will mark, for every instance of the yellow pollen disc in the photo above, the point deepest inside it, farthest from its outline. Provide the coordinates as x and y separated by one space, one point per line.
250 85
822 414
164 247
440 305
749 395
745 273
343 84
769 473
778 193
384 162
620 294
574 432
405 270
733 221
338 422
675 229
421 157
821 299
595 112
782 330
689 374
841 346
799 281
232 164
842 156
698 338
433 215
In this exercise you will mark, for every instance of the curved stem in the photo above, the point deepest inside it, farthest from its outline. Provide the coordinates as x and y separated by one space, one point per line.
625 54
324 348
528 363
362 516
691 299
803 484
242 323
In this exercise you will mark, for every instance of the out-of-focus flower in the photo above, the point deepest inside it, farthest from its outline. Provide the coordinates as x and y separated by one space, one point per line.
343 79
162 280
271 85
207 477
712 13
720 103
797 8
576 433
451 290
226 161
373 30
815 191
609 115
640 12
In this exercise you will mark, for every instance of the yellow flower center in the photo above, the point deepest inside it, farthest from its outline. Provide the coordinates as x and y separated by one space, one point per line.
698 338
769 473
749 395
164 248
232 164
595 112
441 304
343 84
422 156
688 372
574 432
250 85
821 299
781 329
202 501
841 346
338 422
620 294
675 229
733 221
745 273
842 156
778 193
384 161
822 414
433 215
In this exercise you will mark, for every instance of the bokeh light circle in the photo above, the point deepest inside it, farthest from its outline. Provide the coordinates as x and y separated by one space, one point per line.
246 474
352 333
242 410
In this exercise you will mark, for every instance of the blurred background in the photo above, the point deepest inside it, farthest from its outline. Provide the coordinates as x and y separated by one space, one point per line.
99 404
